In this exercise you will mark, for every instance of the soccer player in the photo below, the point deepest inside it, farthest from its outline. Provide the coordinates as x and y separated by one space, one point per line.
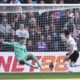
73 53
21 53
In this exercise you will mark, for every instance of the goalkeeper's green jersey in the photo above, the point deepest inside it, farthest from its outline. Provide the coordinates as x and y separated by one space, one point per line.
19 50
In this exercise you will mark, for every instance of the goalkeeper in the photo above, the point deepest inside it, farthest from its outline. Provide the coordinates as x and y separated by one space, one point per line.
21 53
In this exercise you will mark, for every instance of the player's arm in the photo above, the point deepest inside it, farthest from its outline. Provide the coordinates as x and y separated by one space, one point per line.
7 43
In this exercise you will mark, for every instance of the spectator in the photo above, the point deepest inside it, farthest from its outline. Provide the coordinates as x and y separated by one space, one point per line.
29 1
55 38
21 18
13 25
33 35
18 9
12 35
1 35
30 15
76 35
15 1
60 22
21 1
3 1
71 1
45 1
4 15
40 1
77 18
12 32
21 32
33 21
12 39
43 30
30 46
41 44
26 1
5 27
59 1
53 30
47 30
70 25
44 19
35 26
49 43
50 1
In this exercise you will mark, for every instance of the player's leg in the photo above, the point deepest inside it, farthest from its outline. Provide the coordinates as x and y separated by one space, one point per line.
25 62
72 64
74 58
21 62
71 58
66 62
66 59
34 58
29 64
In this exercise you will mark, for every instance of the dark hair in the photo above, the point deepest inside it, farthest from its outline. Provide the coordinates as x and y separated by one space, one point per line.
66 32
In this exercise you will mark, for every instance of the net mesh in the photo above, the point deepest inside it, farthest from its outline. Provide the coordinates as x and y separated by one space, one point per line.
42 26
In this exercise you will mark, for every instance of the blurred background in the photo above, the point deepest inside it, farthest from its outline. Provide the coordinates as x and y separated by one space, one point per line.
43 30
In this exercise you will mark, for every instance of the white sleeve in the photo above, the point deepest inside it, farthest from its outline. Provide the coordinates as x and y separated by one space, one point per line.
63 38
72 42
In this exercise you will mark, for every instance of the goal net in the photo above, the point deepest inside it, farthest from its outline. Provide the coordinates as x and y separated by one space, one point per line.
41 25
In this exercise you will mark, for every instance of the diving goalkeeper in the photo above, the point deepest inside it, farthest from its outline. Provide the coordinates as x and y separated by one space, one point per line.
21 53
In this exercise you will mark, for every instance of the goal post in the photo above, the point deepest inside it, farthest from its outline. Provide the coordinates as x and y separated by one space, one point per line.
38 7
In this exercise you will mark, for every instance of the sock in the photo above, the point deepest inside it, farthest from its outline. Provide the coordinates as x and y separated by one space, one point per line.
36 60
68 65
69 68
76 65
28 63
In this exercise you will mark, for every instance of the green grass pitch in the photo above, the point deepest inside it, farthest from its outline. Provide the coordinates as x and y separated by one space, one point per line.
40 79
37 76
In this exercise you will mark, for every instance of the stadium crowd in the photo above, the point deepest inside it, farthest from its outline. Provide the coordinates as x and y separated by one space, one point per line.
39 1
43 31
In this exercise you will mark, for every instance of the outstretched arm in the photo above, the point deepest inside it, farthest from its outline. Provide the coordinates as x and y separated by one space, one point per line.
7 43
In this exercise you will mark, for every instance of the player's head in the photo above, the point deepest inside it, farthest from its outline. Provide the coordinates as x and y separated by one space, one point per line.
66 33
22 40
